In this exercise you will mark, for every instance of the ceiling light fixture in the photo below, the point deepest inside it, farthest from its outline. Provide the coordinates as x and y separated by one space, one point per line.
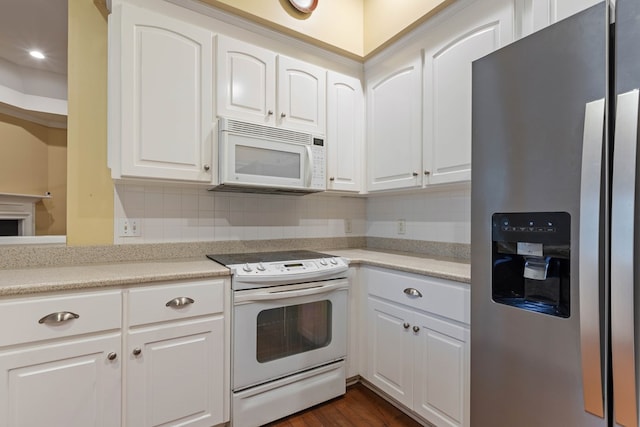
37 54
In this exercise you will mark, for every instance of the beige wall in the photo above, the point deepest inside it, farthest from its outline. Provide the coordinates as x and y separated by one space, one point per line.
89 184
335 24
23 164
51 214
34 161
385 20
355 27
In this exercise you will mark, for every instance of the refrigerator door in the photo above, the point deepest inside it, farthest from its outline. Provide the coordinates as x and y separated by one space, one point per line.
625 298
529 103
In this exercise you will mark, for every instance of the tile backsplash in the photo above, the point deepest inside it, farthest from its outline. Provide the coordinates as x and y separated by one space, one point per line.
187 214
436 216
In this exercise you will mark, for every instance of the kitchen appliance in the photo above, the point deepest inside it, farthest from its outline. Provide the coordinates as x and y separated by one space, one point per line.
554 310
289 330
263 159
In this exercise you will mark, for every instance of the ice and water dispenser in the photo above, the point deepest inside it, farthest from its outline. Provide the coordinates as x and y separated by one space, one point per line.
531 258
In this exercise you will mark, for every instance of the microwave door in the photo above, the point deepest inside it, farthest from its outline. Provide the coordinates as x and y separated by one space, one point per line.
262 162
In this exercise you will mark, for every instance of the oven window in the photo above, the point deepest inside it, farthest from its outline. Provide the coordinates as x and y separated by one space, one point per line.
286 331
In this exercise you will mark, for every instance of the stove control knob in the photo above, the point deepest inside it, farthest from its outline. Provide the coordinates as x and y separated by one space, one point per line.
261 267
334 261
323 262
247 268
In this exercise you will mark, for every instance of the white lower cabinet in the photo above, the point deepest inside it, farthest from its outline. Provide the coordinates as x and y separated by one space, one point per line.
64 360
174 374
60 361
177 363
62 384
418 343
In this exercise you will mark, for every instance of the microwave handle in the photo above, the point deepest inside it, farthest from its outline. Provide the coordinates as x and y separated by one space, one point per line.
309 168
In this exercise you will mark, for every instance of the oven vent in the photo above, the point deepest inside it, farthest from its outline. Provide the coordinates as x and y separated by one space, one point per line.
261 131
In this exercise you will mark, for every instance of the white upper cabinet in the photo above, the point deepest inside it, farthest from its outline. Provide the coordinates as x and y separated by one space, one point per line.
246 81
394 126
301 95
161 97
533 15
472 33
345 132
257 85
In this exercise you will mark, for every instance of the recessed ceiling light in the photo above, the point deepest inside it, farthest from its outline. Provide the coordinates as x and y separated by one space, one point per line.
36 54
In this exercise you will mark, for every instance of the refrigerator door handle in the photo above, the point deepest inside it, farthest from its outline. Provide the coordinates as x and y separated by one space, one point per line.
588 264
622 259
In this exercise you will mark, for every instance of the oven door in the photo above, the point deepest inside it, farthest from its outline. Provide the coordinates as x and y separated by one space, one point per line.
281 330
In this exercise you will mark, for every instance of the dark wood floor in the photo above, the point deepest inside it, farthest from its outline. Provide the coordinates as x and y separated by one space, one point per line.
359 407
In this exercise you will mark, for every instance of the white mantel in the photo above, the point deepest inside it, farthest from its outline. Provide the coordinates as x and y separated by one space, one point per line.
23 208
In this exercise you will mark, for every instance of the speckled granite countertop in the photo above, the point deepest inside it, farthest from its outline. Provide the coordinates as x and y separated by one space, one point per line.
50 279
91 276
444 268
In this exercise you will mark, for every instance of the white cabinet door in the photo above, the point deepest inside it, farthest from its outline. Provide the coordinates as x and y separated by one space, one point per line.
165 87
442 372
394 128
471 34
71 383
301 96
533 15
246 81
175 374
390 350
345 132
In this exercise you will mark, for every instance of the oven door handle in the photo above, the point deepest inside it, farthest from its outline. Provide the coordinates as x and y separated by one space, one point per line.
272 294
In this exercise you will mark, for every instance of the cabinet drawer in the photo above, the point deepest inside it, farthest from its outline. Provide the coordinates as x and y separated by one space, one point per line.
20 318
175 301
442 297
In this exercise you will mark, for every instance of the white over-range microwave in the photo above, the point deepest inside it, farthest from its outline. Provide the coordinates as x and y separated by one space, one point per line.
264 159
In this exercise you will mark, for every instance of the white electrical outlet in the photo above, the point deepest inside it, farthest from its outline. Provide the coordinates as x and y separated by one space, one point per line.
129 227
402 226
348 226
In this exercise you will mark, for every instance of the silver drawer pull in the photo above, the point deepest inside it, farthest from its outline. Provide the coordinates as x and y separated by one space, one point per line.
406 325
180 302
59 317
416 329
413 292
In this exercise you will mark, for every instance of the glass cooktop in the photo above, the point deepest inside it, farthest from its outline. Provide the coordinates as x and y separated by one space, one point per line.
255 257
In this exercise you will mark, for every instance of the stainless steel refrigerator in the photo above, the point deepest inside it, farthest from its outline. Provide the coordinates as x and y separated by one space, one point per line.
555 267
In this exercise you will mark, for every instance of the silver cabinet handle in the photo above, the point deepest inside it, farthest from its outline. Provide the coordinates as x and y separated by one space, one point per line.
427 173
112 356
333 178
179 302
207 167
406 325
283 115
623 259
416 329
413 292
59 317
270 113
415 174
589 262
137 351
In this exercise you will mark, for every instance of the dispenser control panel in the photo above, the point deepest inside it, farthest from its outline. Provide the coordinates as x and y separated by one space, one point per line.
534 227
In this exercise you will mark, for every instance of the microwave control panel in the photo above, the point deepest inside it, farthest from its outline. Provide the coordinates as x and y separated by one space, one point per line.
319 166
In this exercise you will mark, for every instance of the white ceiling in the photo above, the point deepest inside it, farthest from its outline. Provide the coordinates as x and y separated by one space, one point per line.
34 24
